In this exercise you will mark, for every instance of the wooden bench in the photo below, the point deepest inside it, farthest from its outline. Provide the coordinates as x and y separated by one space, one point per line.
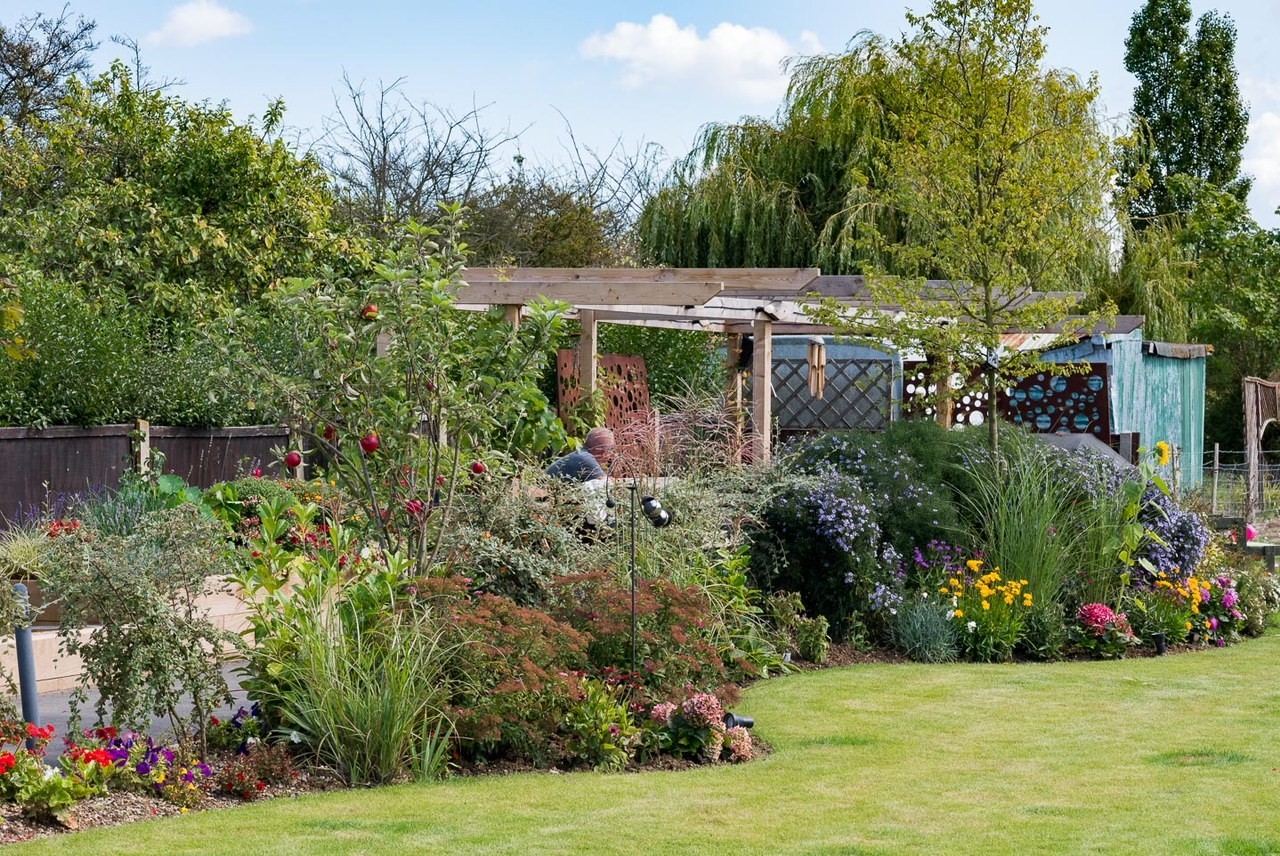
1267 551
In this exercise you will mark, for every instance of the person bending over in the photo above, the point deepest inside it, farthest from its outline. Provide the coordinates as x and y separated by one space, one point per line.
588 463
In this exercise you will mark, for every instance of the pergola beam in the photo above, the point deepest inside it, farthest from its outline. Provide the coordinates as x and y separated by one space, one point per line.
596 292
771 280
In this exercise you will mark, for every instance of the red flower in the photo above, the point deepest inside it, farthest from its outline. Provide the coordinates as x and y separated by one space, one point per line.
37 733
7 760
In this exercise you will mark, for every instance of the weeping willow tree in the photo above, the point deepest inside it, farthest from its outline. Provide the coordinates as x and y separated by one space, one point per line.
797 190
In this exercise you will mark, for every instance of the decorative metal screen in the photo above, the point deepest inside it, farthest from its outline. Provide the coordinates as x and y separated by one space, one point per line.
858 394
1048 404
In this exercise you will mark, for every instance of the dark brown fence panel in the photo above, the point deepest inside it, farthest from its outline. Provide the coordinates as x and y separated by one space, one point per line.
43 466
205 456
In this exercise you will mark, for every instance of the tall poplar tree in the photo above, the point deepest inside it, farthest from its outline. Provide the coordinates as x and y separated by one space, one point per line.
1188 114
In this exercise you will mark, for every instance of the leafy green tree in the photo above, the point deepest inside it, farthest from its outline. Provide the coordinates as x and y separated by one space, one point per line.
1233 300
1000 170
1190 118
168 204
404 397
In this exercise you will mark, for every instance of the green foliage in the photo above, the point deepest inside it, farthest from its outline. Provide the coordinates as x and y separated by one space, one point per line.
167 204
923 630
600 729
812 642
1259 596
366 695
150 644
509 542
1026 514
98 358
1044 631
677 361
447 386
123 510
1191 120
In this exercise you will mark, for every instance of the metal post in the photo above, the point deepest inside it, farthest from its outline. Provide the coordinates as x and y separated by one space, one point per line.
26 662
632 487
1213 503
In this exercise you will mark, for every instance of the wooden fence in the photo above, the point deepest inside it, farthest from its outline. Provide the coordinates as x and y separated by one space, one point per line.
40 468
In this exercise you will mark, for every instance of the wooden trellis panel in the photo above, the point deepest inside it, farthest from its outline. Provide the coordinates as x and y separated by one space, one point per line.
857 394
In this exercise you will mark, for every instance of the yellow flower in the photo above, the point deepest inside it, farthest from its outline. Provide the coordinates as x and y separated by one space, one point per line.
1008 600
975 565
986 604
959 613
1188 625
1207 624
1023 583
1026 600
1162 453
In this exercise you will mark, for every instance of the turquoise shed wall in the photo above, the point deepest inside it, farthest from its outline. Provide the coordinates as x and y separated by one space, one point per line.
1162 398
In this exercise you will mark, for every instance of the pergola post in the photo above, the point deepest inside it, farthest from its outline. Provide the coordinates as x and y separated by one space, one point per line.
511 314
588 344
762 389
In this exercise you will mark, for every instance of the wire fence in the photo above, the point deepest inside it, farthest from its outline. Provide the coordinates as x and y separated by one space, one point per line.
1223 490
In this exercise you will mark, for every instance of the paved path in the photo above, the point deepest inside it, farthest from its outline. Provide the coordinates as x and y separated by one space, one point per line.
55 710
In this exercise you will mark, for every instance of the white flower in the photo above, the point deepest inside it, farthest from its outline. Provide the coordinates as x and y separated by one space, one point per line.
295 737
972 626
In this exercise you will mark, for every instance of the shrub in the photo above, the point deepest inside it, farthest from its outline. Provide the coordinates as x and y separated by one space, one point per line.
251 771
901 470
820 539
1102 632
150 645
1259 597
811 639
673 651
1177 540
923 629
517 669
1044 632
600 729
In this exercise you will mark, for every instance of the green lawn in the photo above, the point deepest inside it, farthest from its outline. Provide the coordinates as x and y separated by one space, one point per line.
1175 755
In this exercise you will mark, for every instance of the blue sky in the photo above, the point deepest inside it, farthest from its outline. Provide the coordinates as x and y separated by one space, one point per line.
616 73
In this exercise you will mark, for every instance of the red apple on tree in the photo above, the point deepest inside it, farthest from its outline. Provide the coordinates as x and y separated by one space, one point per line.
369 312
293 460
479 468
369 443
330 433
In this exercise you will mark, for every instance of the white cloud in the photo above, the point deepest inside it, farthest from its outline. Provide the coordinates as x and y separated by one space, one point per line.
1261 159
1261 155
197 22
732 59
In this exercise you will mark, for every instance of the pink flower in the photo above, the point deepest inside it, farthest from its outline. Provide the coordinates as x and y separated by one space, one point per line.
662 713
1250 534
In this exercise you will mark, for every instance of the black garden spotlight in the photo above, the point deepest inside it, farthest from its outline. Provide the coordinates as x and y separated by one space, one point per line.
660 518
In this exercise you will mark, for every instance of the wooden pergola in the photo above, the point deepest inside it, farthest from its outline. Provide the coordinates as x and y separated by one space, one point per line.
733 301
761 302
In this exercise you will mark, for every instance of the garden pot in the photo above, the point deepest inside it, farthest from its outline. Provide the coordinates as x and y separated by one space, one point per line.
1161 643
